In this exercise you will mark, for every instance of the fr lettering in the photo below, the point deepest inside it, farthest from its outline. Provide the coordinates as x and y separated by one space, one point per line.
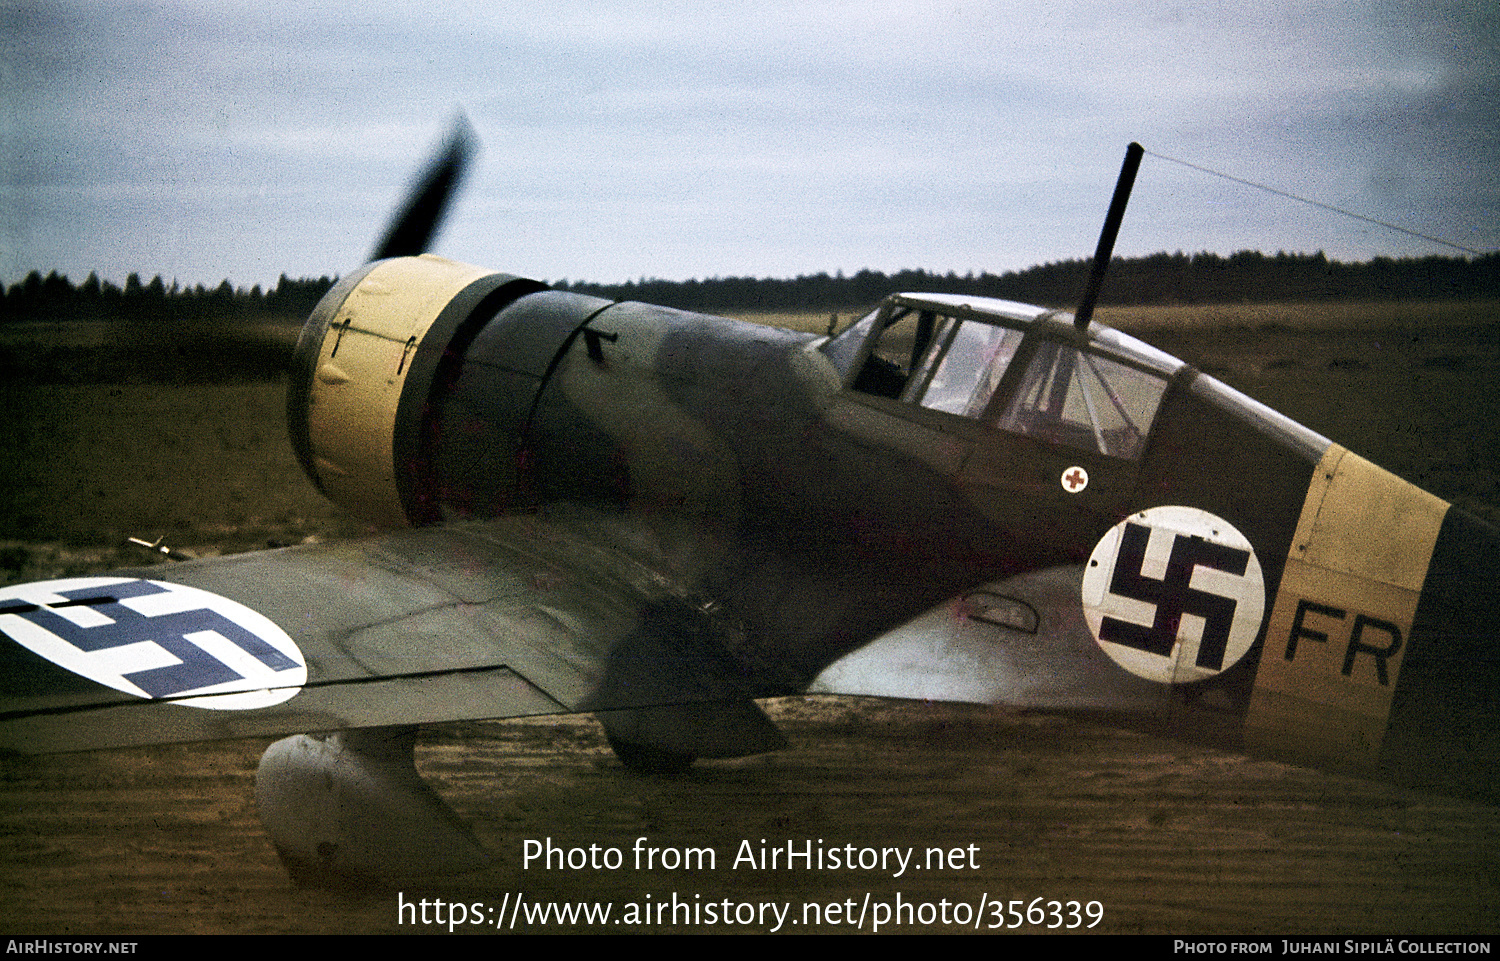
1367 635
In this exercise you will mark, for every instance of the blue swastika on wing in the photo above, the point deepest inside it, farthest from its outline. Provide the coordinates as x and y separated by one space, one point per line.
199 669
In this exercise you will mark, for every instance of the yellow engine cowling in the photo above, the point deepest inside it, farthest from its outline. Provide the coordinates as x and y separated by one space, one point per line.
365 367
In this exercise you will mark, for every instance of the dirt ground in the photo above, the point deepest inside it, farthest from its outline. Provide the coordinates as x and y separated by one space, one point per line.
1125 832
1165 838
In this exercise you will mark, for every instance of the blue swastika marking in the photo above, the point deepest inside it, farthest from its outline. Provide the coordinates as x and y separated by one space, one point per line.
198 668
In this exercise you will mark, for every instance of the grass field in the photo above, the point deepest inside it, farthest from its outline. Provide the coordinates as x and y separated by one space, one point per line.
188 440
1425 315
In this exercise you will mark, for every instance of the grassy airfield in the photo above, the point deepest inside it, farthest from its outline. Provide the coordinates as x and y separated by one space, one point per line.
111 435
1144 321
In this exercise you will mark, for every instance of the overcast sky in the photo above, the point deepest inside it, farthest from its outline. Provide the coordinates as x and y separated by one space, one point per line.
682 139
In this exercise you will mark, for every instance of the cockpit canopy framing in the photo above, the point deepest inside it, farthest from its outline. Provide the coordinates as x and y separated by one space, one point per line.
1010 366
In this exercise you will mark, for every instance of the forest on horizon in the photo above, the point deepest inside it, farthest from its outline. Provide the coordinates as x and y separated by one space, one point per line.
1162 278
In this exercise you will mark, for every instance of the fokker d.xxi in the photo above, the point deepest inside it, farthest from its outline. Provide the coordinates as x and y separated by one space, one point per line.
661 516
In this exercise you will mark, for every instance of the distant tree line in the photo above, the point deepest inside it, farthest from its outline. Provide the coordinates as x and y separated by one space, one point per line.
1247 276
54 297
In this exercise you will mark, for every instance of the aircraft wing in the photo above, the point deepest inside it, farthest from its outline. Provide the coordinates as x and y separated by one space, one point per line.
511 617
1022 642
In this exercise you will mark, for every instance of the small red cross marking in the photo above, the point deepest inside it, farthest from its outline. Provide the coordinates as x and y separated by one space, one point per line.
1075 480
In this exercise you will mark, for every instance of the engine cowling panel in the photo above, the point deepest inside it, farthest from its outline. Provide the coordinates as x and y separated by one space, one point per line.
366 367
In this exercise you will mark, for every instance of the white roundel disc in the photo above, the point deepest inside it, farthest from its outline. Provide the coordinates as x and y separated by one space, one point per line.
1174 594
156 640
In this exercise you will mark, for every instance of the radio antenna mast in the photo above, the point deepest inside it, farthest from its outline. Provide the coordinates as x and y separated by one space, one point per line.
1085 312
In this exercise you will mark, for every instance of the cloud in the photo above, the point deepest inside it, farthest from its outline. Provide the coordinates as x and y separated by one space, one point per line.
689 139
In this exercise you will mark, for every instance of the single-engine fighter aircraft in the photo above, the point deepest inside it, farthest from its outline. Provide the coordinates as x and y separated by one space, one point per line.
661 516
